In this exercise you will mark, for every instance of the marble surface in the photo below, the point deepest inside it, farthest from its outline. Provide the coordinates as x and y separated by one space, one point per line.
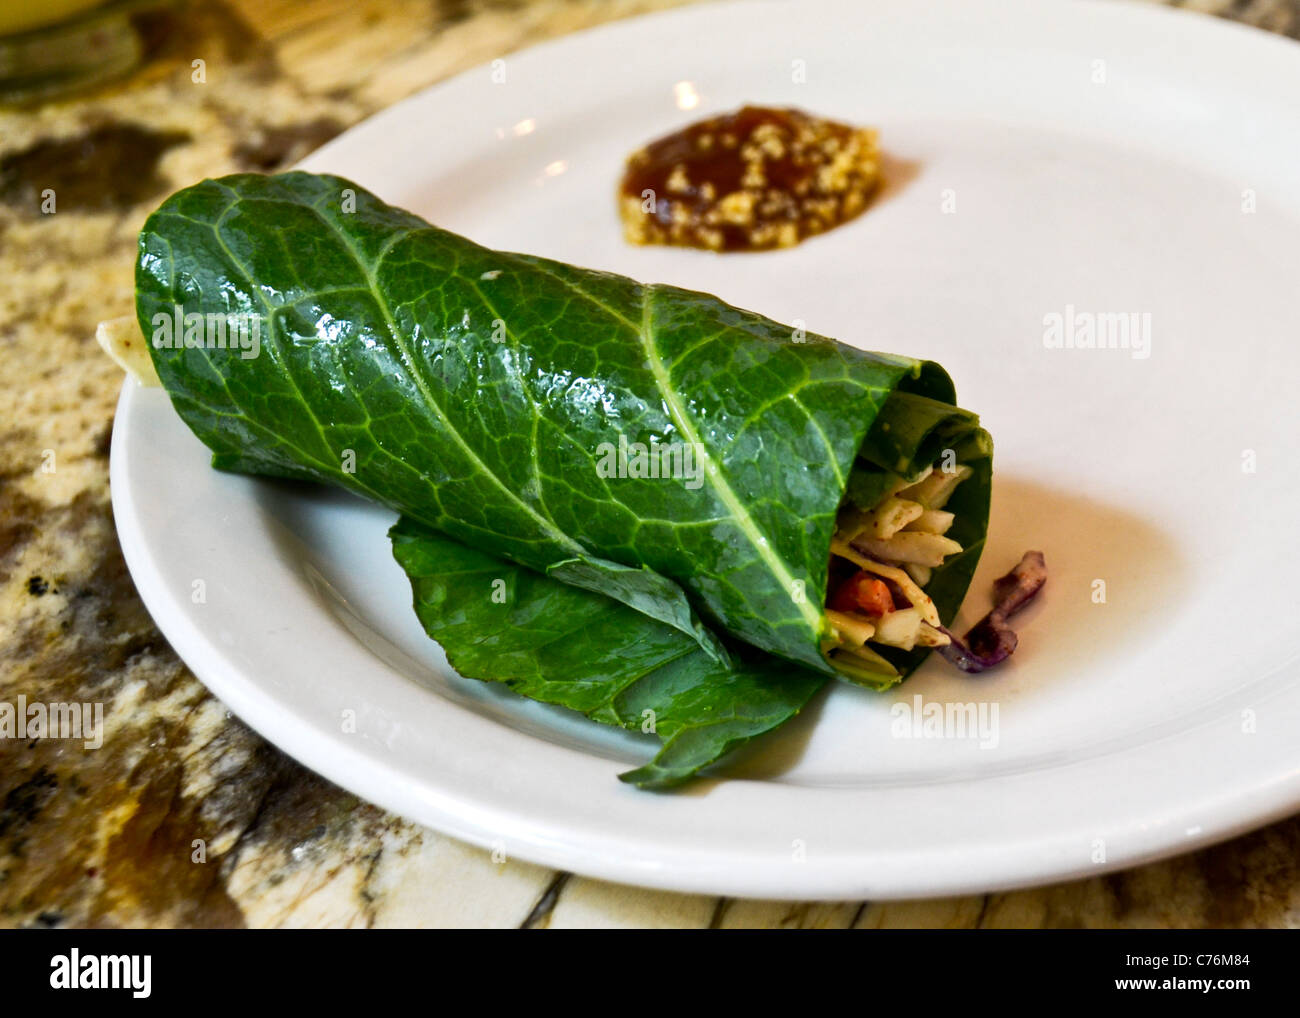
185 817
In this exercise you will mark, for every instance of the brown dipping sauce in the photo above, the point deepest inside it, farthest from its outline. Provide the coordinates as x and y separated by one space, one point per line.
756 179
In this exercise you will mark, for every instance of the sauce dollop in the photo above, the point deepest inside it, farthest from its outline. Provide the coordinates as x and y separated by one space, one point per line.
752 180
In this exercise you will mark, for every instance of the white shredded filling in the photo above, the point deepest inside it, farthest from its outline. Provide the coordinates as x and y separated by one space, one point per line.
123 341
903 540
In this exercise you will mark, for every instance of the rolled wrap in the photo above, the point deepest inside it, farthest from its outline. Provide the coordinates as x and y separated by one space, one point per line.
479 392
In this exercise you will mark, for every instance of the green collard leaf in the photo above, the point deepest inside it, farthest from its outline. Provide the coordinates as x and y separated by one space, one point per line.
560 644
642 589
912 432
546 414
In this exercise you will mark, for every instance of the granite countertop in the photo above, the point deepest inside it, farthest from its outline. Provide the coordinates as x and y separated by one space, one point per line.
184 816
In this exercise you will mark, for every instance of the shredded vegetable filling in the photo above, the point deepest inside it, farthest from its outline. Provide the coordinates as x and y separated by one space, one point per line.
881 560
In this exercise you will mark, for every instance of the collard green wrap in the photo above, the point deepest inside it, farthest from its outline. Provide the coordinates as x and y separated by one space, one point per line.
485 395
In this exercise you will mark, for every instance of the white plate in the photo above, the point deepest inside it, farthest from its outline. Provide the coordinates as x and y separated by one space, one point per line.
1100 156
